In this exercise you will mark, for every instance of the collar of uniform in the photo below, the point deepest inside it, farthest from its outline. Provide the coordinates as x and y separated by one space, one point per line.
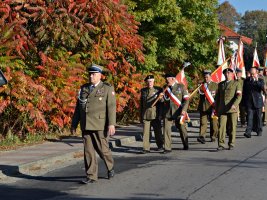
95 84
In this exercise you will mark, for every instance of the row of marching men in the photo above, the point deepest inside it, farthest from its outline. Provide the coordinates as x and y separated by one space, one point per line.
220 103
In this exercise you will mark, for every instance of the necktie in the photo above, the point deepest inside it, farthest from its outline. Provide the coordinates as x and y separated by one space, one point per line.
92 88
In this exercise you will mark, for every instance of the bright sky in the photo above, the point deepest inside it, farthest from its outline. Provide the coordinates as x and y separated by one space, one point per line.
243 5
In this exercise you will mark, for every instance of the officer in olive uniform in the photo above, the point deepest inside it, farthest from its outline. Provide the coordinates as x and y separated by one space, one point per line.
96 112
242 108
173 112
207 109
227 100
150 115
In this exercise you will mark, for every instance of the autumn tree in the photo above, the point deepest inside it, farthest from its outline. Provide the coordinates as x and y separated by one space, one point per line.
53 42
228 15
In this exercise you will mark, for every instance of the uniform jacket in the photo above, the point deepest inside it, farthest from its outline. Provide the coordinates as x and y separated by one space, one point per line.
253 93
204 104
97 109
241 82
148 97
228 94
170 109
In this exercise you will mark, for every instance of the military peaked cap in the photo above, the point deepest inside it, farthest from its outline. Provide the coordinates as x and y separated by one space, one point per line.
207 71
95 68
238 70
167 75
149 77
227 70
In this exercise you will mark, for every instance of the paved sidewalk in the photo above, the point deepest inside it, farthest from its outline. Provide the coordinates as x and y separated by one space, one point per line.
54 154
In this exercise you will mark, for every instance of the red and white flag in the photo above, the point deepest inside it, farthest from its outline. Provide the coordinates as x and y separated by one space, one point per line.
180 77
221 53
256 62
240 59
217 76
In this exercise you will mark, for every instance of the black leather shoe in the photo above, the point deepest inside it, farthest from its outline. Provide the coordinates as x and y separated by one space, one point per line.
111 174
201 140
231 147
220 148
145 152
186 148
166 151
247 135
87 181
160 149
213 140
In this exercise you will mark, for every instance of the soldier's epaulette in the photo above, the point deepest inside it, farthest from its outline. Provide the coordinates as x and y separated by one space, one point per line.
107 84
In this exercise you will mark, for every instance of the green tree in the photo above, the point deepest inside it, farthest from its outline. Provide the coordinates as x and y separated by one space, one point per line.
228 15
253 24
175 31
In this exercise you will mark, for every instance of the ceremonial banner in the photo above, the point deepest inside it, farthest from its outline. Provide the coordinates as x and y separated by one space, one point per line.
256 62
240 59
221 53
217 76
180 77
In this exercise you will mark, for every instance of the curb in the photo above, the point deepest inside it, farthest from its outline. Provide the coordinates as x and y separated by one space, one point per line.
51 163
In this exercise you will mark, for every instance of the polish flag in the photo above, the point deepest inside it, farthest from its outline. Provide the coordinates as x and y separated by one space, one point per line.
256 62
240 59
217 76
221 53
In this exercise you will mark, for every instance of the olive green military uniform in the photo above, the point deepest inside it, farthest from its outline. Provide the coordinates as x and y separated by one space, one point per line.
95 110
150 116
229 93
173 112
205 110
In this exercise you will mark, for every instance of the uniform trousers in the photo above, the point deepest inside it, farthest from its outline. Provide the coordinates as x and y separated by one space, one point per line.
96 141
156 124
242 110
231 120
204 118
167 133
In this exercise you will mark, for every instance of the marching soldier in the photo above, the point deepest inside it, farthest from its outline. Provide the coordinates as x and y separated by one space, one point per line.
175 106
96 112
227 100
206 108
150 115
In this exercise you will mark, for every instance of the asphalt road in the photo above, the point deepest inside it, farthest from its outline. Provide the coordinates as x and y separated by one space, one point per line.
200 173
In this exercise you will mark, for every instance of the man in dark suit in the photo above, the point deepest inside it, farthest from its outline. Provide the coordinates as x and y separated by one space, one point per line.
253 88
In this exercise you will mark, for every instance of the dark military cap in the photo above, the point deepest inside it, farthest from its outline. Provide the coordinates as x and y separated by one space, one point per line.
260 69
238 70
167 75
95 69
206 71
227 70
149 77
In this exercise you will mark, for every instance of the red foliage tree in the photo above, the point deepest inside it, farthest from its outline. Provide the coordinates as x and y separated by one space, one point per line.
47 46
